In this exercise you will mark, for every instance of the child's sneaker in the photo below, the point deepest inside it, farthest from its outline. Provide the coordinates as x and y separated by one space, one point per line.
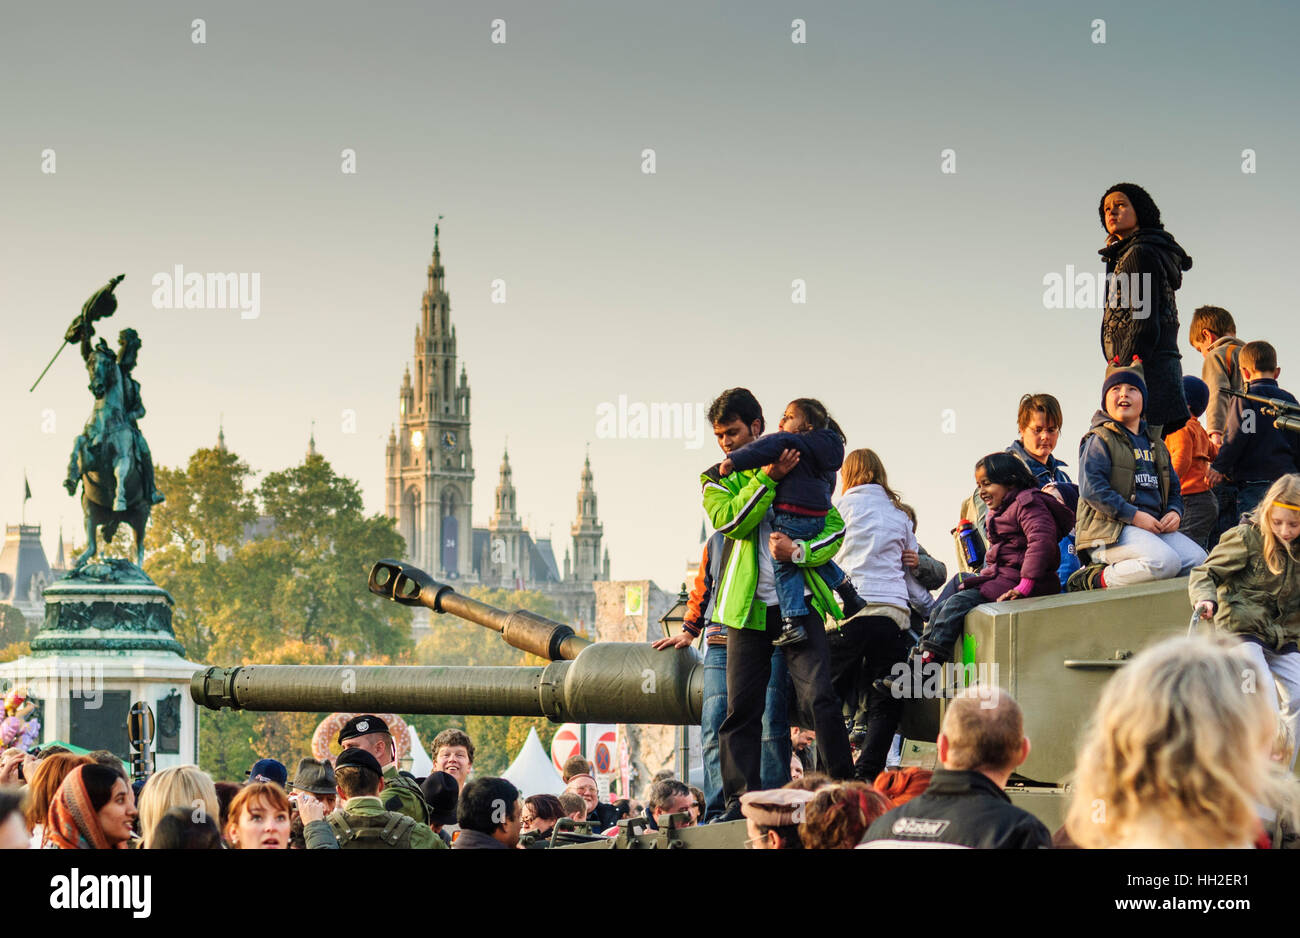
792 633
851 601
1086 578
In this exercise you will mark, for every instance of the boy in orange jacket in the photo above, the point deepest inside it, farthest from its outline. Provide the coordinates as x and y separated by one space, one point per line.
1191 450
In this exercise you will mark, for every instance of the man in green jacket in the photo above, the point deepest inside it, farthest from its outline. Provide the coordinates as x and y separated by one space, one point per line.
744 599
362 822
367 731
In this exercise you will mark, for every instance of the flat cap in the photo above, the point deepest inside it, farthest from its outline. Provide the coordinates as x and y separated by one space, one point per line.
778 807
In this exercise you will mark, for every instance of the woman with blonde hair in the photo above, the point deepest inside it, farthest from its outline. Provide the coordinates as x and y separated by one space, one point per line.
185 786
1177 754
877 533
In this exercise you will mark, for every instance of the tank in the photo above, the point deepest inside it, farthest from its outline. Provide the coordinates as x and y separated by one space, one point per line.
586 682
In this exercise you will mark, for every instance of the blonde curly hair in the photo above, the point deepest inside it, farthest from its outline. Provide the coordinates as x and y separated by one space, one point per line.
1178 750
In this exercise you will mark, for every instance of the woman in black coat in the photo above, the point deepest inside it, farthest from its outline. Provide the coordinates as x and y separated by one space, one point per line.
1138 244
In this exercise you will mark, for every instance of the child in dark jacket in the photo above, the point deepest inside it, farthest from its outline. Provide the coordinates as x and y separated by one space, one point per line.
1255 454
803 499
1024 526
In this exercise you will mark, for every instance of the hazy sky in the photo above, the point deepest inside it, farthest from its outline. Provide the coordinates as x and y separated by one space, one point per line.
775 161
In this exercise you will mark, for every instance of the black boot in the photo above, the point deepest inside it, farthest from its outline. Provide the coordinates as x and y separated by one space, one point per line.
852 602
792 633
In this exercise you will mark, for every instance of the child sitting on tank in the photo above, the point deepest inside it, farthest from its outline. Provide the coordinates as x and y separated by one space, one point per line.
1130 499
802 501
1025 526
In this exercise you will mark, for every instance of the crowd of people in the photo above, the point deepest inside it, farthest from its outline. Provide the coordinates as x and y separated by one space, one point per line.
806 604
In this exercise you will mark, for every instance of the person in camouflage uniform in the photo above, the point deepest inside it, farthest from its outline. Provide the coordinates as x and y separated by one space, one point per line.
401 792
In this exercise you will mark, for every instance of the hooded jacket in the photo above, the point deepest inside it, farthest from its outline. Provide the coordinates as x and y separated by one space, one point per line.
1024 552
1149 331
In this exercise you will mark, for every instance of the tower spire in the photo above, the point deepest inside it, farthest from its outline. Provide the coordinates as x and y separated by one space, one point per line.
311 440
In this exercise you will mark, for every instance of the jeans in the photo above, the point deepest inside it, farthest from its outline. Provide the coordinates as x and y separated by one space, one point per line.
878 642
1225 493
790 580
749 657
948 620
774 764
1140 557
1249 495
1200 514
1285 671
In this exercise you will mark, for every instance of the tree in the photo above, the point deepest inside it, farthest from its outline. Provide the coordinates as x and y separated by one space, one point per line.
271 575
15 633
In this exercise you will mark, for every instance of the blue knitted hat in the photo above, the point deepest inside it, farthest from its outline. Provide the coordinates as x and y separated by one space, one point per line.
1125 374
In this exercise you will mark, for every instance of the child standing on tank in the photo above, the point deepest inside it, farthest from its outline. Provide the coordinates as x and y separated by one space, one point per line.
803 499
1250 586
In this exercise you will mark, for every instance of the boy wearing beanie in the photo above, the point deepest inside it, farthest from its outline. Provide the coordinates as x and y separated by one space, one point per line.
1130 502
1191 450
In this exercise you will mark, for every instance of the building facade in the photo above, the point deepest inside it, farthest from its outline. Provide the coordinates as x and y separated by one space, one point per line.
429 471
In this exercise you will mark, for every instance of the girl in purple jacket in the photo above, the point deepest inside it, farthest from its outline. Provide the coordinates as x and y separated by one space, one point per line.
1024 527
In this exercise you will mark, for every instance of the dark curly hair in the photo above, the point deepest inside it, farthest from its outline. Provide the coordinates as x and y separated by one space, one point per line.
1148 214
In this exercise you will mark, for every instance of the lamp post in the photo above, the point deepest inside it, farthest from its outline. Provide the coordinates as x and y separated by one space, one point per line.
672 624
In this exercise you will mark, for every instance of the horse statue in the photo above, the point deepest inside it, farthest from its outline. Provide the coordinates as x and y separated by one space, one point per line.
110 458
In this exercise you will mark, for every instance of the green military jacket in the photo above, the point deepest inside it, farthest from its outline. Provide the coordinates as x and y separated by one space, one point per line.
367 806
1252 599
400 794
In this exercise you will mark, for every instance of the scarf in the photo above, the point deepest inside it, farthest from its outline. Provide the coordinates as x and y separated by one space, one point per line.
73 822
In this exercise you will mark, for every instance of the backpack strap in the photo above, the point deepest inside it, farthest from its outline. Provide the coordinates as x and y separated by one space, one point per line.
343 831
397 829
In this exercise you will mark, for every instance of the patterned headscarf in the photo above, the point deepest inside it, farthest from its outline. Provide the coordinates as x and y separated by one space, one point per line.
73 822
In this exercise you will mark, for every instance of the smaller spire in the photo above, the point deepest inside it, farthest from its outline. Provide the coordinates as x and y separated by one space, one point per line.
60 560
311 441
221 433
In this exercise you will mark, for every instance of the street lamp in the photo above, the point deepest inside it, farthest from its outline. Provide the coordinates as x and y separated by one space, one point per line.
672 623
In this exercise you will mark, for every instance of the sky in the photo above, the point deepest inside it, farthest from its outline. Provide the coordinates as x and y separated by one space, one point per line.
782 171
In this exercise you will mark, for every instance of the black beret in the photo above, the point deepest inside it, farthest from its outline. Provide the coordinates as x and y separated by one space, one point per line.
362 725
359 757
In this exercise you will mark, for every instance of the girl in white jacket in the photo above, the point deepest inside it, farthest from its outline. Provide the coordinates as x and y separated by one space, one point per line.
876 533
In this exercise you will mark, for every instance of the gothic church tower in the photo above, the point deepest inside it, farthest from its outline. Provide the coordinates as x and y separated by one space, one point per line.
429 462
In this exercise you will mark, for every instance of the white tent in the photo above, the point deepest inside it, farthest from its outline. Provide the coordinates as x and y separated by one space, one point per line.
532 772
421 764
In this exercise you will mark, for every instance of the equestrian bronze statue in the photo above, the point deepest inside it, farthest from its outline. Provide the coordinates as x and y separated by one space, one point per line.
110 458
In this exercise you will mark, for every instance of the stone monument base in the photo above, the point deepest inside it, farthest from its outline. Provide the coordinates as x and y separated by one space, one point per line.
107 642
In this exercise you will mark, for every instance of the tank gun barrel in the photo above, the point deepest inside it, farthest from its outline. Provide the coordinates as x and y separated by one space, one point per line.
527 631
609 682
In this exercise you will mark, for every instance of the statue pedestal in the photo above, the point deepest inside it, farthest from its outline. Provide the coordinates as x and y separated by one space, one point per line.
107 642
